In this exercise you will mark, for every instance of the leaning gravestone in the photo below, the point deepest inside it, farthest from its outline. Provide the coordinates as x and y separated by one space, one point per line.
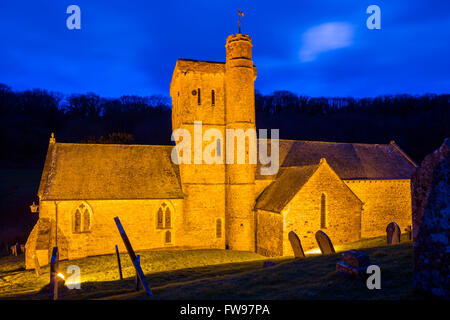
324 242
296 245
431 227
393 233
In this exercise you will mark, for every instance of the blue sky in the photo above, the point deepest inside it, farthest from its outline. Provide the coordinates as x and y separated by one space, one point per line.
315 48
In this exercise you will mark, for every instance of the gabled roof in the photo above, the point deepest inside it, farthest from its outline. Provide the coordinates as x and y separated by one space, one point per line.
348 160
289 181
109 171
185 65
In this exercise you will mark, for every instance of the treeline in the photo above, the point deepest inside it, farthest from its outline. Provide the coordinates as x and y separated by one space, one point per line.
288 102
417 123
28 117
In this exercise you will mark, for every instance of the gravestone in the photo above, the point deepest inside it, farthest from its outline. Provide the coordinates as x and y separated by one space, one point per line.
393 233
408 231
296 245
324 242
431 228
354 263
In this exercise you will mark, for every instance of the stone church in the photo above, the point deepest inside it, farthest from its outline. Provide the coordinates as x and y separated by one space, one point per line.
348 190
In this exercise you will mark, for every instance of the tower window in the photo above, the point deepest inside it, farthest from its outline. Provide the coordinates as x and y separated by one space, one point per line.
213 98
199 100
218 228
323 211
219 148
168 238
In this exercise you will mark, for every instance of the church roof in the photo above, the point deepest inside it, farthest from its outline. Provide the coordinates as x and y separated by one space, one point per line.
185 65
109 171
278 194
348 160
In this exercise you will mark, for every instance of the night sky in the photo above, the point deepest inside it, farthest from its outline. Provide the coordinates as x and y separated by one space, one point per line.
315 48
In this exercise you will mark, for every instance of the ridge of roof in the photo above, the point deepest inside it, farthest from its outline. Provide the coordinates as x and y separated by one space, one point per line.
112 144
403 153
353 143
197 60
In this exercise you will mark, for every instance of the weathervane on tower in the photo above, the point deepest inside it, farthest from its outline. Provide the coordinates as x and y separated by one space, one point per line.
241 14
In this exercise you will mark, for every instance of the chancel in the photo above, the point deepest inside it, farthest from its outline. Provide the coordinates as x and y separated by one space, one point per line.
349 190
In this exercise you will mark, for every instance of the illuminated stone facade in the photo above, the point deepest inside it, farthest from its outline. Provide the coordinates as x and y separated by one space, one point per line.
348 190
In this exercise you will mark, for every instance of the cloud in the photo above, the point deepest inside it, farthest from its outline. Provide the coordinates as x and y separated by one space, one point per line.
325 37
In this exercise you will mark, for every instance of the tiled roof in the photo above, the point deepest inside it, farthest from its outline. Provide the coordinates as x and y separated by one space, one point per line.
109 171
348 160
278 194
185 65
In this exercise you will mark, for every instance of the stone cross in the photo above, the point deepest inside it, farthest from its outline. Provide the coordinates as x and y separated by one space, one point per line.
393 233
296 245
324 242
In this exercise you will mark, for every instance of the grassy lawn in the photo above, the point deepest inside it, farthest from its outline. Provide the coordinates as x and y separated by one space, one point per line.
222 274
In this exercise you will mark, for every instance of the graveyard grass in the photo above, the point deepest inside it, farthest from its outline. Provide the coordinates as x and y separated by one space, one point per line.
220 274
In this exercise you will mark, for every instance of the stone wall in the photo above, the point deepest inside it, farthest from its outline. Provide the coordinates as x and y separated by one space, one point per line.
185 106
269 240
431 189
240 114
302 214
203 205
384 201
138 217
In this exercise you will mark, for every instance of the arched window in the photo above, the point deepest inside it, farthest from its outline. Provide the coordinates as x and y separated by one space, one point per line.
86 220
82 219
160 219
168 223
218 228
168 237
164 217
77 221
323 211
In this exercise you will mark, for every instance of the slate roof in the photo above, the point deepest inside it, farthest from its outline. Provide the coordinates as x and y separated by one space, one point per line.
278 194
349 160
109 171
185 65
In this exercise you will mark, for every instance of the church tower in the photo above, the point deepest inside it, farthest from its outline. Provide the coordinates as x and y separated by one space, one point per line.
218 197
240 75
